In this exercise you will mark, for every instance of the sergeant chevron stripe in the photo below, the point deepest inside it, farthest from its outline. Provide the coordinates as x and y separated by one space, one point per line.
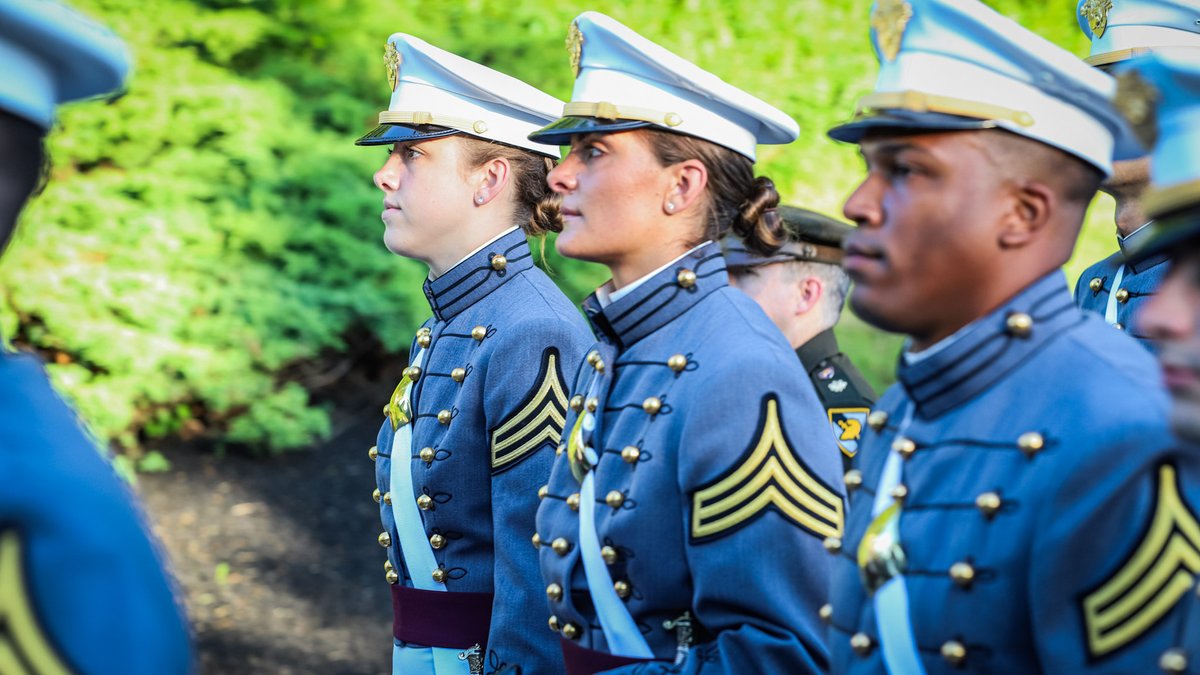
24 648
1156 575
539 420
769 476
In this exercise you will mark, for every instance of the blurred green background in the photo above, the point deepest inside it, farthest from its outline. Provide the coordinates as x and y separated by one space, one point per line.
208 254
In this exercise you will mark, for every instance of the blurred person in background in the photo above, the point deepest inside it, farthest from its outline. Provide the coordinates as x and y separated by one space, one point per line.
82 582
998 522
802 288
1116 287
697 447
470 431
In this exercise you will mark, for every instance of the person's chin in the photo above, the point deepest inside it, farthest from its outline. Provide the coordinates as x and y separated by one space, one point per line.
571 244
875 308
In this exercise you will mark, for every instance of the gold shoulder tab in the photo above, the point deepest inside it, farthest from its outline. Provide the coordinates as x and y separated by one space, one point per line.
25 649
769 476
1160 570
538 420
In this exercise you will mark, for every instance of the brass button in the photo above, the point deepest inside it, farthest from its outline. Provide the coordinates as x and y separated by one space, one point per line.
413 373
877 420
622 588
437 541
861 643
561 546
630 454
962 573
478 333
439 575
1031 443
1019 324
573 502
570 631
593 357
543 491
373 453
427 455
553 623
537 540
673 119
387 566
1122 295
614 499
905 447
853 480
444 416
954 652
577 402
376 495
833 544
392 577
1119 326
677 363
826 613
1096 284
652 405
592 403
424 502
499 262
900 492
458 374
424 330
560 449
609 554
554 592
385 539
387 498
988 503
686 278
424 340
599 366
1173 660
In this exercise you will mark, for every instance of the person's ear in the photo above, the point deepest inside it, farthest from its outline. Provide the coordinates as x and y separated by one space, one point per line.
809 291
492 175
1031 205
687 182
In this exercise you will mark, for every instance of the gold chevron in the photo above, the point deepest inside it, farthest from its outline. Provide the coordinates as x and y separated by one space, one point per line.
1159 572
24 648
544 413
770 476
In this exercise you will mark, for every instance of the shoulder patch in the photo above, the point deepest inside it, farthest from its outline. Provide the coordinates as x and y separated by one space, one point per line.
1159 571
25 649
769 476
538 420
847 426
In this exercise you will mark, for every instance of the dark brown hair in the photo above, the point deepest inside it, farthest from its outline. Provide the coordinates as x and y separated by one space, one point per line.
736 199
536 205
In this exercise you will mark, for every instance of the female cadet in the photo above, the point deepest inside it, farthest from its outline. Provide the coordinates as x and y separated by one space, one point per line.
470 430
684 517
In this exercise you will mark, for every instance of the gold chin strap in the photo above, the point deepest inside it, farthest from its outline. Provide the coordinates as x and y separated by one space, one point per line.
917 101
1163 201
611 111
417 118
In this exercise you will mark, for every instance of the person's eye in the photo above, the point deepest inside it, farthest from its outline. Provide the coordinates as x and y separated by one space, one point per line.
412 153
591 152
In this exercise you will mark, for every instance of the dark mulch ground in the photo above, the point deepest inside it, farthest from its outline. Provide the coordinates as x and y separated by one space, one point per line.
278 556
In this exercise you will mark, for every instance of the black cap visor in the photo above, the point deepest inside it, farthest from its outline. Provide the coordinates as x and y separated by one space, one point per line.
901 121
386 134
561 131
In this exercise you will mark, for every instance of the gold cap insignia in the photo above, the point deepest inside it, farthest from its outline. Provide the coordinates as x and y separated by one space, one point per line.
1096 13
1137 101
575 47
889 19
392 59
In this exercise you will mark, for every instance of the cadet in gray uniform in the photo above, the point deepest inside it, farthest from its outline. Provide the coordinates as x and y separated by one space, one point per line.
470 431
994 524
82 584
802 288
1117 286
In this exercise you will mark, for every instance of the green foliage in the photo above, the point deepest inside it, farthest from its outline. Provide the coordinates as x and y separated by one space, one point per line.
215 226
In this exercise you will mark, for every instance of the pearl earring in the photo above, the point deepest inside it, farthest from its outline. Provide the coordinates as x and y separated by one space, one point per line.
478 199
670 207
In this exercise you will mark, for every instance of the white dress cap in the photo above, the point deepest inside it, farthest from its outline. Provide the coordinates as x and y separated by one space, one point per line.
51 54
433 88
957 64
624 81
1120 29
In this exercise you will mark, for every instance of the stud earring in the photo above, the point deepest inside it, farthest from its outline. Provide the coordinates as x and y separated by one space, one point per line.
670 207
478 199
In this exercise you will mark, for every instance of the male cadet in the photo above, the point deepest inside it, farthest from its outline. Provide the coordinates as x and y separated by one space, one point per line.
802 288
991 524
1116 287
1170 80
82 587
